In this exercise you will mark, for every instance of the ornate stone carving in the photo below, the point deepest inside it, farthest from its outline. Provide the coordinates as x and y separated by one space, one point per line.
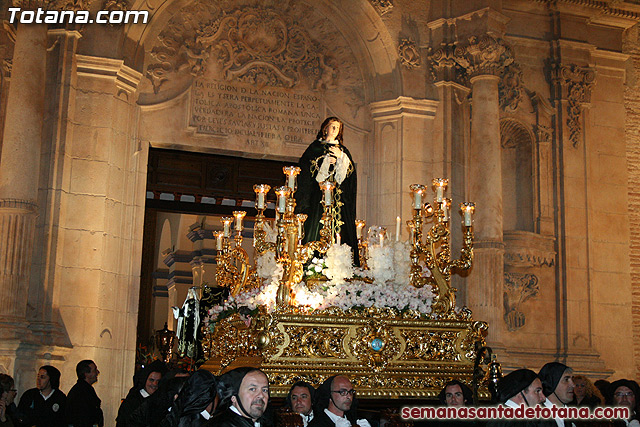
525 249
442 65
543 133
113 5
74 5
409 54
263 47
511 88
514 134
574 84
382 6
517 289
484 55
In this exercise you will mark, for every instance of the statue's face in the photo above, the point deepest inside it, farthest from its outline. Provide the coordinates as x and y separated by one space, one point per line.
333 129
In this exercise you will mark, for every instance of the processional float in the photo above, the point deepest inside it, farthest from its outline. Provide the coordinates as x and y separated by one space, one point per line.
398 336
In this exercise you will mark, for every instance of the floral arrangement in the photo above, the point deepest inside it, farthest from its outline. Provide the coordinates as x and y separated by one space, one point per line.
389 272
316 268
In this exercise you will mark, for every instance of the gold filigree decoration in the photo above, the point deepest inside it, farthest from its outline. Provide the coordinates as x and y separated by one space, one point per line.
430 345
315 342
574 83
258 46
115 5
409 54
375 344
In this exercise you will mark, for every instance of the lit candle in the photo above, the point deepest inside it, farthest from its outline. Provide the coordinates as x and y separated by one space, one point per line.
440 185
327 187
467 209
261 191
291 172
445 209
381 241
239 216
338 242
359 226
218 235
283 193
226 222
417 195
397 229
301 219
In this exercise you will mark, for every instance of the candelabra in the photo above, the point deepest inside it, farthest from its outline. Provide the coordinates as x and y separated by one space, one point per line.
288 248
233 269
435 250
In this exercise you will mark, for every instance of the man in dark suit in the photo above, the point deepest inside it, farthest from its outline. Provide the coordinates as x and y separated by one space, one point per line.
83 404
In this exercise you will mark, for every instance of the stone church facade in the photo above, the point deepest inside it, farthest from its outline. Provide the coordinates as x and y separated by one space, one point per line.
530 108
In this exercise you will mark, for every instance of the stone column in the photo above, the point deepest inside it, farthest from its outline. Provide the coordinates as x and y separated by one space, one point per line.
19 167
484 58
485 189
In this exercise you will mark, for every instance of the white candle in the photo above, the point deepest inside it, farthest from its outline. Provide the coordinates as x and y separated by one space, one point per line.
359 226
417 190
381 241
291 181
445 210
327 195
239 216
282 203
397 229
417 200
260 204
338 242
467 211
226 222
218 235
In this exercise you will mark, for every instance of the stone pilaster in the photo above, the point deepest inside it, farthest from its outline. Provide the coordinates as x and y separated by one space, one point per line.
401 157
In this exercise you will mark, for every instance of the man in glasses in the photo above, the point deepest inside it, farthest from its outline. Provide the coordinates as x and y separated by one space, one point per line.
335 404
624 393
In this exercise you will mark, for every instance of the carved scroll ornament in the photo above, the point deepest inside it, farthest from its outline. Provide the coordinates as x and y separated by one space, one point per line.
483 55
574 84
517 289
409 54
257 46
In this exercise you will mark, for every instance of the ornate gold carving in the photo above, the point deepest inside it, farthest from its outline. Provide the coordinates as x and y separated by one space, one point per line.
409 54
74 5
259 46
382 6
511 88
414 356
375 344
484 55
518 289
574 84
315 341
430 346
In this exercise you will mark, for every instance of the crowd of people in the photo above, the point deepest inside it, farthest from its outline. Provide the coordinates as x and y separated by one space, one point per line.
240 398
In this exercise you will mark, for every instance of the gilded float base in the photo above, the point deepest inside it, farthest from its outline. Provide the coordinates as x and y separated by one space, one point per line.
385 353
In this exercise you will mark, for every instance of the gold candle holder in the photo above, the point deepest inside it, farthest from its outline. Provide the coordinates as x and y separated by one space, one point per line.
440 186
291 172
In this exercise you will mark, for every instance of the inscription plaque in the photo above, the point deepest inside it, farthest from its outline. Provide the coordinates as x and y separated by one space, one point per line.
261 117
